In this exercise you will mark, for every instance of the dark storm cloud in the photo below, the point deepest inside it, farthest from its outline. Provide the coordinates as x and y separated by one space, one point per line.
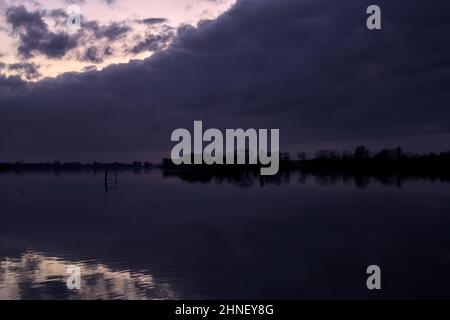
34 34
28 70
9 86
310 68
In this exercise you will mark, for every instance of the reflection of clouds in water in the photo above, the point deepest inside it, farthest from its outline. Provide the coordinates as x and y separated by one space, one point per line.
35 276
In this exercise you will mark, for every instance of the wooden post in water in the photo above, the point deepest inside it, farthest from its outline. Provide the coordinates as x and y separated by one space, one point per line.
111 180
106 180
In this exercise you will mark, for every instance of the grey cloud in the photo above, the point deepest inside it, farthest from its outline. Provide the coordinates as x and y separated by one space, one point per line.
113 31
153 42
90 68
108 2
95 54
36 38
34 34
108 51
28 70
152 21
58 13
91 55
19 17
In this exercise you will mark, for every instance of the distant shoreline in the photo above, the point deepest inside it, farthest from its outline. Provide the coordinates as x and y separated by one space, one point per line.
73 166
387 161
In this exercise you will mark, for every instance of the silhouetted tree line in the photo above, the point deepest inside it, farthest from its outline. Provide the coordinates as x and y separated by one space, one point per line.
387 159
388 166
328 167
361 158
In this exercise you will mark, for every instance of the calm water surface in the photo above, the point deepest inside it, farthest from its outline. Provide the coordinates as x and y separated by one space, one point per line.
163 237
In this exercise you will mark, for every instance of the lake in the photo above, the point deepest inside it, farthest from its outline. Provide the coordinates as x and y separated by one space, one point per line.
171 236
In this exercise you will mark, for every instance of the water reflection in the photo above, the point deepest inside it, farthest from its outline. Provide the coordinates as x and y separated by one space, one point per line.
249 178
236 236
35 275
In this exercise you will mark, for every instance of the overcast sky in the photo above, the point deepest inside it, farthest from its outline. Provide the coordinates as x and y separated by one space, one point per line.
308 67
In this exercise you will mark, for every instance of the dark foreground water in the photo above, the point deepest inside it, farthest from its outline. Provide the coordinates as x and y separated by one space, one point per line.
160 237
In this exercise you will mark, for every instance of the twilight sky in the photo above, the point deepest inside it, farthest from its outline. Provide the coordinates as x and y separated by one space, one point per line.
36 42
144 68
